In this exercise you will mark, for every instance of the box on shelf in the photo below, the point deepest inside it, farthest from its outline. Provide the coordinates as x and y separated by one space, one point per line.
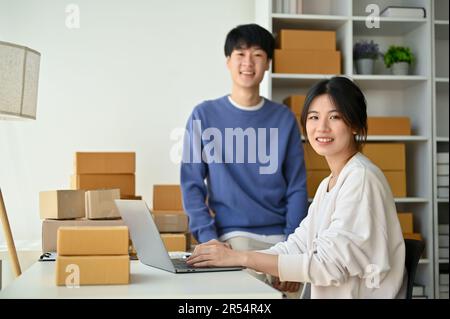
100 204
295 103
442 169
125 182
61 204
307 62
174 242
313 180
132 197
442 158
104 163
442 192
387 156
414 236
93 270
167 197
397 182
388 125
92 240
171 223
50 229
406 222
443 181
443 241
297 39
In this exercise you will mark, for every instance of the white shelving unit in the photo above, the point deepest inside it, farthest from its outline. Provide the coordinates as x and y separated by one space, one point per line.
387 95
440 44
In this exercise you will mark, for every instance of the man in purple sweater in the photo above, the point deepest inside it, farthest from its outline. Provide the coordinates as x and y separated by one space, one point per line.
243 175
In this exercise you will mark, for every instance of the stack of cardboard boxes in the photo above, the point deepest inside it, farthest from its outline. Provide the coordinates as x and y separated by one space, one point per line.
170 218
442 172
307 52
92 256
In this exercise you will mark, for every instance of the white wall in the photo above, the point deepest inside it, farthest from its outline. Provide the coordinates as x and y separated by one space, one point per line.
123 81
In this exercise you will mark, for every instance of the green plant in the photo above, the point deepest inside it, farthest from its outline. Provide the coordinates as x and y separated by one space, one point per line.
398 54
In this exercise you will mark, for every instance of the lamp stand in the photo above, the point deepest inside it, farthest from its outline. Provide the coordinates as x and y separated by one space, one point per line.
9 239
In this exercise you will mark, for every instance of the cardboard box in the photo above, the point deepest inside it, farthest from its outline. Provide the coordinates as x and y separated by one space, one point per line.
387 156
397 182
104 163
167 197
174 242
313 180
295 103
171 223
442 192
307 40
62 204
92 241
406 222
100 204
414 236
132 197
125 182
307 62
50 229
389 126
443 181
442 158
92 270
442 169
314 161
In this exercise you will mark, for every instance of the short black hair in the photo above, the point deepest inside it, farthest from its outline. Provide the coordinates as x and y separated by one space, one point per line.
349 100
248 35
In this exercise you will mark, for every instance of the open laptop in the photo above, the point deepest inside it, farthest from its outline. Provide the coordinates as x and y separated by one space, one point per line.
147 242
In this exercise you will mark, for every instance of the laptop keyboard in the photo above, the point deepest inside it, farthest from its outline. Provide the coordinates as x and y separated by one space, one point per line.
181 264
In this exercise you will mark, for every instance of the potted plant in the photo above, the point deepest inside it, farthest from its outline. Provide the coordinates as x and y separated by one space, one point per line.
365 53
399 58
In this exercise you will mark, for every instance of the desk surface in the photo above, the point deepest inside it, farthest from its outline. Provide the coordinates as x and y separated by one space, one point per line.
145 282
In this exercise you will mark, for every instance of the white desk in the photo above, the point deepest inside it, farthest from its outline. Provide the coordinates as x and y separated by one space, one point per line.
145 282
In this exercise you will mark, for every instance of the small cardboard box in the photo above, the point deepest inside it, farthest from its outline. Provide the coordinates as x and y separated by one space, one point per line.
314 161
62 204
92 270
295 103
104 163
92 241
397 182
307 62
414 236
100 204
171 223
406 222
174 242
387 156
50 229
125 182
388 126
313 180
307 40
167 197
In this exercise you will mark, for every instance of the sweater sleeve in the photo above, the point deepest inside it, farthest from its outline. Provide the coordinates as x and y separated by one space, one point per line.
354 244
193 174
295 175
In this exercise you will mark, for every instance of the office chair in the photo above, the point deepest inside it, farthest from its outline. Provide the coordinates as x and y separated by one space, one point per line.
414 250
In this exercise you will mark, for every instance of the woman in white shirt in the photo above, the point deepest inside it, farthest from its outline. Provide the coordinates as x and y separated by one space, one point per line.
350 245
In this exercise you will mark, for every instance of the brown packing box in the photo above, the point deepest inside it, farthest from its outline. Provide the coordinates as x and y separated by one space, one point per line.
62 204
314 161
92 240
389 126
171 223
132 197
105 163
397 182
167 197
295 103
100 204
414 236
50 229
307 40
93 270
308 62
406 222
313 180
125 182
174 242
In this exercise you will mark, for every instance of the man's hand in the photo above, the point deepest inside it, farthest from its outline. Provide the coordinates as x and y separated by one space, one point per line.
287 286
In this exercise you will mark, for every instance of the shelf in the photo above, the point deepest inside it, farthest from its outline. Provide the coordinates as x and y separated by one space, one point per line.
307 21
410 200
388 26
297 80
443 261
442 200
441 29
441 80
378 82
442 139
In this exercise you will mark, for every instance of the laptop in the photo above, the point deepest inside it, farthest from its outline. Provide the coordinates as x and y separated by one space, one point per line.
147 242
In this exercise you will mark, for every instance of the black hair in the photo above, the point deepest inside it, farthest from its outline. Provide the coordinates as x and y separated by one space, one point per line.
349 100
248 35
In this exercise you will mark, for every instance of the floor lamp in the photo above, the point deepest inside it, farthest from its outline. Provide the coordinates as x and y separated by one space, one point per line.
19 76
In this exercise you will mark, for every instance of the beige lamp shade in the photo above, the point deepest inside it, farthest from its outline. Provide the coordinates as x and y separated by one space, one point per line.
19 75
